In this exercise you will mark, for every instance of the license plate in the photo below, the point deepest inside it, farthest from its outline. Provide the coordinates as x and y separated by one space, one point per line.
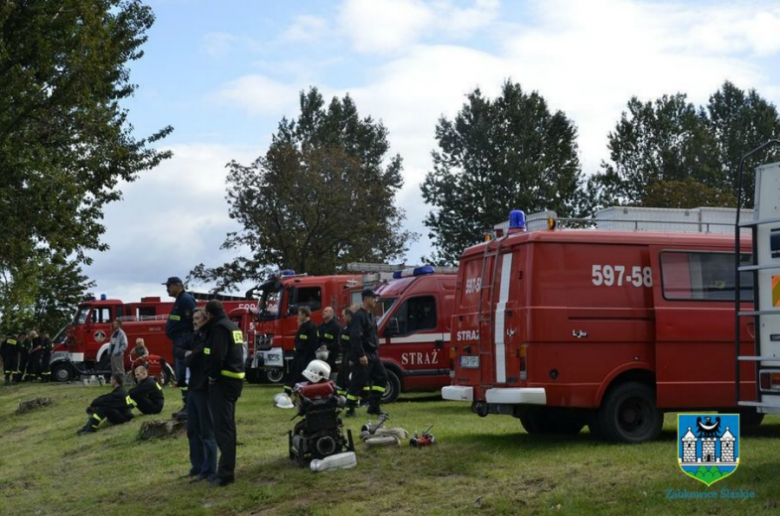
469 362
273 359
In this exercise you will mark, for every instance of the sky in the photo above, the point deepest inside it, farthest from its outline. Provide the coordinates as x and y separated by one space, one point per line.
223 73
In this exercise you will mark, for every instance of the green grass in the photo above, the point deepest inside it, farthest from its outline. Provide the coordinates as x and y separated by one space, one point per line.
485 465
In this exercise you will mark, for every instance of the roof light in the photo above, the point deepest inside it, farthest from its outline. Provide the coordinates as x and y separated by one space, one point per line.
417 271
103 297
280 273
516 219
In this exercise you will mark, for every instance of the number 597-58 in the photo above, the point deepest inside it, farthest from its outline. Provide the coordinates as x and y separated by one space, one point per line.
620 275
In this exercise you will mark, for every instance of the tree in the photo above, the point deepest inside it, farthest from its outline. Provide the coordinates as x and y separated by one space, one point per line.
511 152
42 293
65 140
670 154
322 196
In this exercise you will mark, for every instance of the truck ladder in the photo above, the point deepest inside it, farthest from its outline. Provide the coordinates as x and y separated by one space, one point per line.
766 352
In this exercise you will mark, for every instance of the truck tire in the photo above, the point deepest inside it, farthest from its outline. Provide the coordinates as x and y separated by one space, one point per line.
748 418
544 421
628 414
273 375
393 389
62 372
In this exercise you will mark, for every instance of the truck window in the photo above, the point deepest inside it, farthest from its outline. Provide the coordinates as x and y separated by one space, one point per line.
307 296
703 276
417 314
268 306
383 306
145 312
81 315
101 315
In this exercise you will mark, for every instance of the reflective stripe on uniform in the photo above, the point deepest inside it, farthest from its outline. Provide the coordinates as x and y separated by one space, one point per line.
378 388
352 397
95 416
206 351
173 317
159 387
231 374
238 337
303 337
345 337
328 336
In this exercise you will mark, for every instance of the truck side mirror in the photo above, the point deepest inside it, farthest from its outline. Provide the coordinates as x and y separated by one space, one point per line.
292 310
392 328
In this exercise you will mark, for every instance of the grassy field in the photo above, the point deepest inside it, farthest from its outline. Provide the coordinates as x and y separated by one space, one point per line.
487 466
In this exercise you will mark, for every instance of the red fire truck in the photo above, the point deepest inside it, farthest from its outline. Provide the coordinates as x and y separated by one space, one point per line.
563 328
87 338
414 313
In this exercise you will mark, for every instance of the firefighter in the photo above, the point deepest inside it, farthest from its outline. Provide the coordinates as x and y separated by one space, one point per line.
10 352
46 348
115 406
226 380
179 330
34 357
329 332
306 344
23 344
342 380
366 367
147 396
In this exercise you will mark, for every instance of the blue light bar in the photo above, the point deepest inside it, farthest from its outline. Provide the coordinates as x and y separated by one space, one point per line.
103 297
280 273
516 219
418 271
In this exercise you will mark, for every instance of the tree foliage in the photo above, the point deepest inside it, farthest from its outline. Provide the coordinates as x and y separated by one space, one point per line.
668 153
320 197
511 152
65 140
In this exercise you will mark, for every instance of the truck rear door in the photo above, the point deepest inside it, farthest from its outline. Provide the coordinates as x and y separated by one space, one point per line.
694 312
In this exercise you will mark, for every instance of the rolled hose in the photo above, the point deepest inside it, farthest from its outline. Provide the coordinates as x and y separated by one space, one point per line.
385 440
394 431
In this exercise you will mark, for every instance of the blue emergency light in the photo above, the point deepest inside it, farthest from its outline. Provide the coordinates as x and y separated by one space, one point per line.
516 219
280 273
103 297
417 271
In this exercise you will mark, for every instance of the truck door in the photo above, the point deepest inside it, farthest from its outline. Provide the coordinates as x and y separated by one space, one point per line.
414 340
496 294
694 315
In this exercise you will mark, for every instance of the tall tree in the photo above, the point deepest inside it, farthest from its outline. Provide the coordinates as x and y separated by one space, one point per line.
65 140
320 197
511 152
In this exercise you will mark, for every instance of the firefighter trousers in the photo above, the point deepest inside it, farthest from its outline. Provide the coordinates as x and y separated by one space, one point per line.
296 373
147 406
46 368
342 379
21 368
115 416
11 366
223 409
371 380
200 432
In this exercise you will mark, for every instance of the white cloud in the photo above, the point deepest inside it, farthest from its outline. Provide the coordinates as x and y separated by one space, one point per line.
260 95
217 44
306 29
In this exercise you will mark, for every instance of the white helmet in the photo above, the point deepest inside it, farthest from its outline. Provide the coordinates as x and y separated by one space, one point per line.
283 401
316 371
322 354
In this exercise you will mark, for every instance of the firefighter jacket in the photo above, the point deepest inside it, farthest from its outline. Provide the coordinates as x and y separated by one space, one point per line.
36 346
24 347
344 339
362 335
179 323
198 362
226 354
150 389
306 342
329 336
10 347
46 347
117 399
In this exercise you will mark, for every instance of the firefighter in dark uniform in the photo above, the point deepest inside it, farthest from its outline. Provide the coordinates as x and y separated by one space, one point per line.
226 380
116 406
23 344
306 343
46 348
179 330
34 357
342 379
366 366
147 396
329 332
10 352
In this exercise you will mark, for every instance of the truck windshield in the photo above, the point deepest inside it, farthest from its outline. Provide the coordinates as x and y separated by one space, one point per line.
268 307
81 315
383 306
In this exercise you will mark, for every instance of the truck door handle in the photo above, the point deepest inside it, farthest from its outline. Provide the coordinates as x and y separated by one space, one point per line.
579 334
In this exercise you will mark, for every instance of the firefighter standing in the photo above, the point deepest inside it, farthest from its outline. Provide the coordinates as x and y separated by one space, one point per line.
200 424
147 396
23 344
115 406
226 380
10 352
306 344
329 332
46 347
179 330
342 380
34 356
366 367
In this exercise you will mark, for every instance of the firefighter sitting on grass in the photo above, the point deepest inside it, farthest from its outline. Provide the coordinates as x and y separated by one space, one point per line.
147 396
115 406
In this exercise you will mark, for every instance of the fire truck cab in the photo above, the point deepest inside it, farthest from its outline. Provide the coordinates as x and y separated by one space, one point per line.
563 328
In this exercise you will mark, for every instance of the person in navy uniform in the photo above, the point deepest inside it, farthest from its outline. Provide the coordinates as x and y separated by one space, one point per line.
179 330
330 331
115 406
366 366
307 340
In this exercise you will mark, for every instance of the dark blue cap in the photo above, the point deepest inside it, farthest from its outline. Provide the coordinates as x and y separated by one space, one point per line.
173 279
368 292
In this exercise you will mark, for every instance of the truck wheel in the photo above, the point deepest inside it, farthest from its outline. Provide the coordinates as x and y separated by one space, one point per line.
62 373
393 389
628 414
275 375
749 418
543 421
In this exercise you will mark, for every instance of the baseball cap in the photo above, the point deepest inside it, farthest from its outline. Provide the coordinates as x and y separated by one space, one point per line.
368 292
173 279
